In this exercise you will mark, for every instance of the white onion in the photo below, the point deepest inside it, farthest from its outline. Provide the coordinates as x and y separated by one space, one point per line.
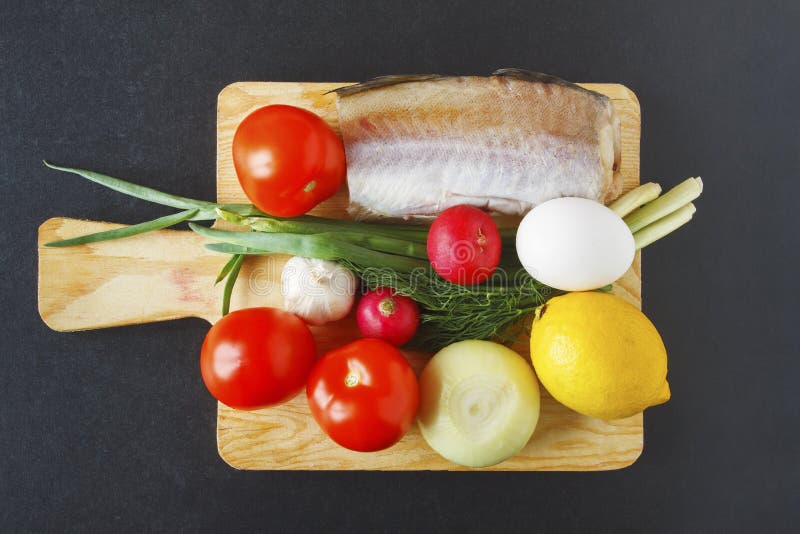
479 403
574 244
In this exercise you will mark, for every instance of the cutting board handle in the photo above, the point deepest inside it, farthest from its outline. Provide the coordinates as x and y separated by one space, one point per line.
161 275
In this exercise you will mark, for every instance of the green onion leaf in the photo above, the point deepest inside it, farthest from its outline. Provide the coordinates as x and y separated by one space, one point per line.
134 190
313 246
225 269
229 283
675 198
245 210
412 236
127 231
227 248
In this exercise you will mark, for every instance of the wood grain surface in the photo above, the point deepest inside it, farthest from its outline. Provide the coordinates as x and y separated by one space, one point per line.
168 274
287 437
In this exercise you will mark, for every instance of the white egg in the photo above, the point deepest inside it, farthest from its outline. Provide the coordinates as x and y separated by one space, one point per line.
574 244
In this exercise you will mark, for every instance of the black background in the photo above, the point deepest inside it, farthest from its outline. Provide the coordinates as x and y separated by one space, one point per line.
114 429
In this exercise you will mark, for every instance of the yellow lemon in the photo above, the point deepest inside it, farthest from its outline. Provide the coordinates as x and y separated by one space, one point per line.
599 355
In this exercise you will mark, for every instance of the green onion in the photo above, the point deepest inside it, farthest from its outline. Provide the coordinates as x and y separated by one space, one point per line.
675 198
226 269
318 246
382 241
138 191
229 283
635 198
663 226
309 224
227 248
244 210
127 231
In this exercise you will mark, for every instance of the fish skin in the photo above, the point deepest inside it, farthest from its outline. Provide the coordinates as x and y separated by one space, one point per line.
419 144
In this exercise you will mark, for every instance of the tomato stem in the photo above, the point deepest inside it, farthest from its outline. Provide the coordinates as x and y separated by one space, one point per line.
352 379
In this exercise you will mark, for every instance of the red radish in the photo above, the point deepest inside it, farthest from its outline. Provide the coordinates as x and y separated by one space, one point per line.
382 314
464 245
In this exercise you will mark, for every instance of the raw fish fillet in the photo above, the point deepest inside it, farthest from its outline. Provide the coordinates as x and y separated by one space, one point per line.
419 144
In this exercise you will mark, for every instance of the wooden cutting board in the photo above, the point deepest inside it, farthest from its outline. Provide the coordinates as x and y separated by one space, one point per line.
168 275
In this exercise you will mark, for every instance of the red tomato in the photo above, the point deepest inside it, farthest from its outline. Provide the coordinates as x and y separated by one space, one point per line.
287 160
257 357
464 245
364 395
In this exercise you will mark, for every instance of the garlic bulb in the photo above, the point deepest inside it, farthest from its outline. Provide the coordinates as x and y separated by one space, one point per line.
317 291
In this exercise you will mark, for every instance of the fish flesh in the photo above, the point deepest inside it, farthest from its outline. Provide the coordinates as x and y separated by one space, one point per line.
419 144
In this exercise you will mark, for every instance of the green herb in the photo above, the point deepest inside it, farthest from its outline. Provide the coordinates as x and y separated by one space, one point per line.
383 241
675 198
320 246
451 312
227 268
236 264
138 191
308 224
635 198
227 248
663 226
127 231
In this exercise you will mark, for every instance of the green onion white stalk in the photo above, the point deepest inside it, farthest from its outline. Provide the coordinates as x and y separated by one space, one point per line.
663 226
675 198
635 198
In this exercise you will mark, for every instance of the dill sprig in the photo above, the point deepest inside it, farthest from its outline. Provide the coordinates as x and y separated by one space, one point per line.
450 312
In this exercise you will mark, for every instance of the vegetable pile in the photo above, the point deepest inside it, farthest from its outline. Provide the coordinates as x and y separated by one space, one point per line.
458 286
381 255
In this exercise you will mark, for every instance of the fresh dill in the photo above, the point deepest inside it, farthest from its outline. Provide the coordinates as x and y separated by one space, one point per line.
450 312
